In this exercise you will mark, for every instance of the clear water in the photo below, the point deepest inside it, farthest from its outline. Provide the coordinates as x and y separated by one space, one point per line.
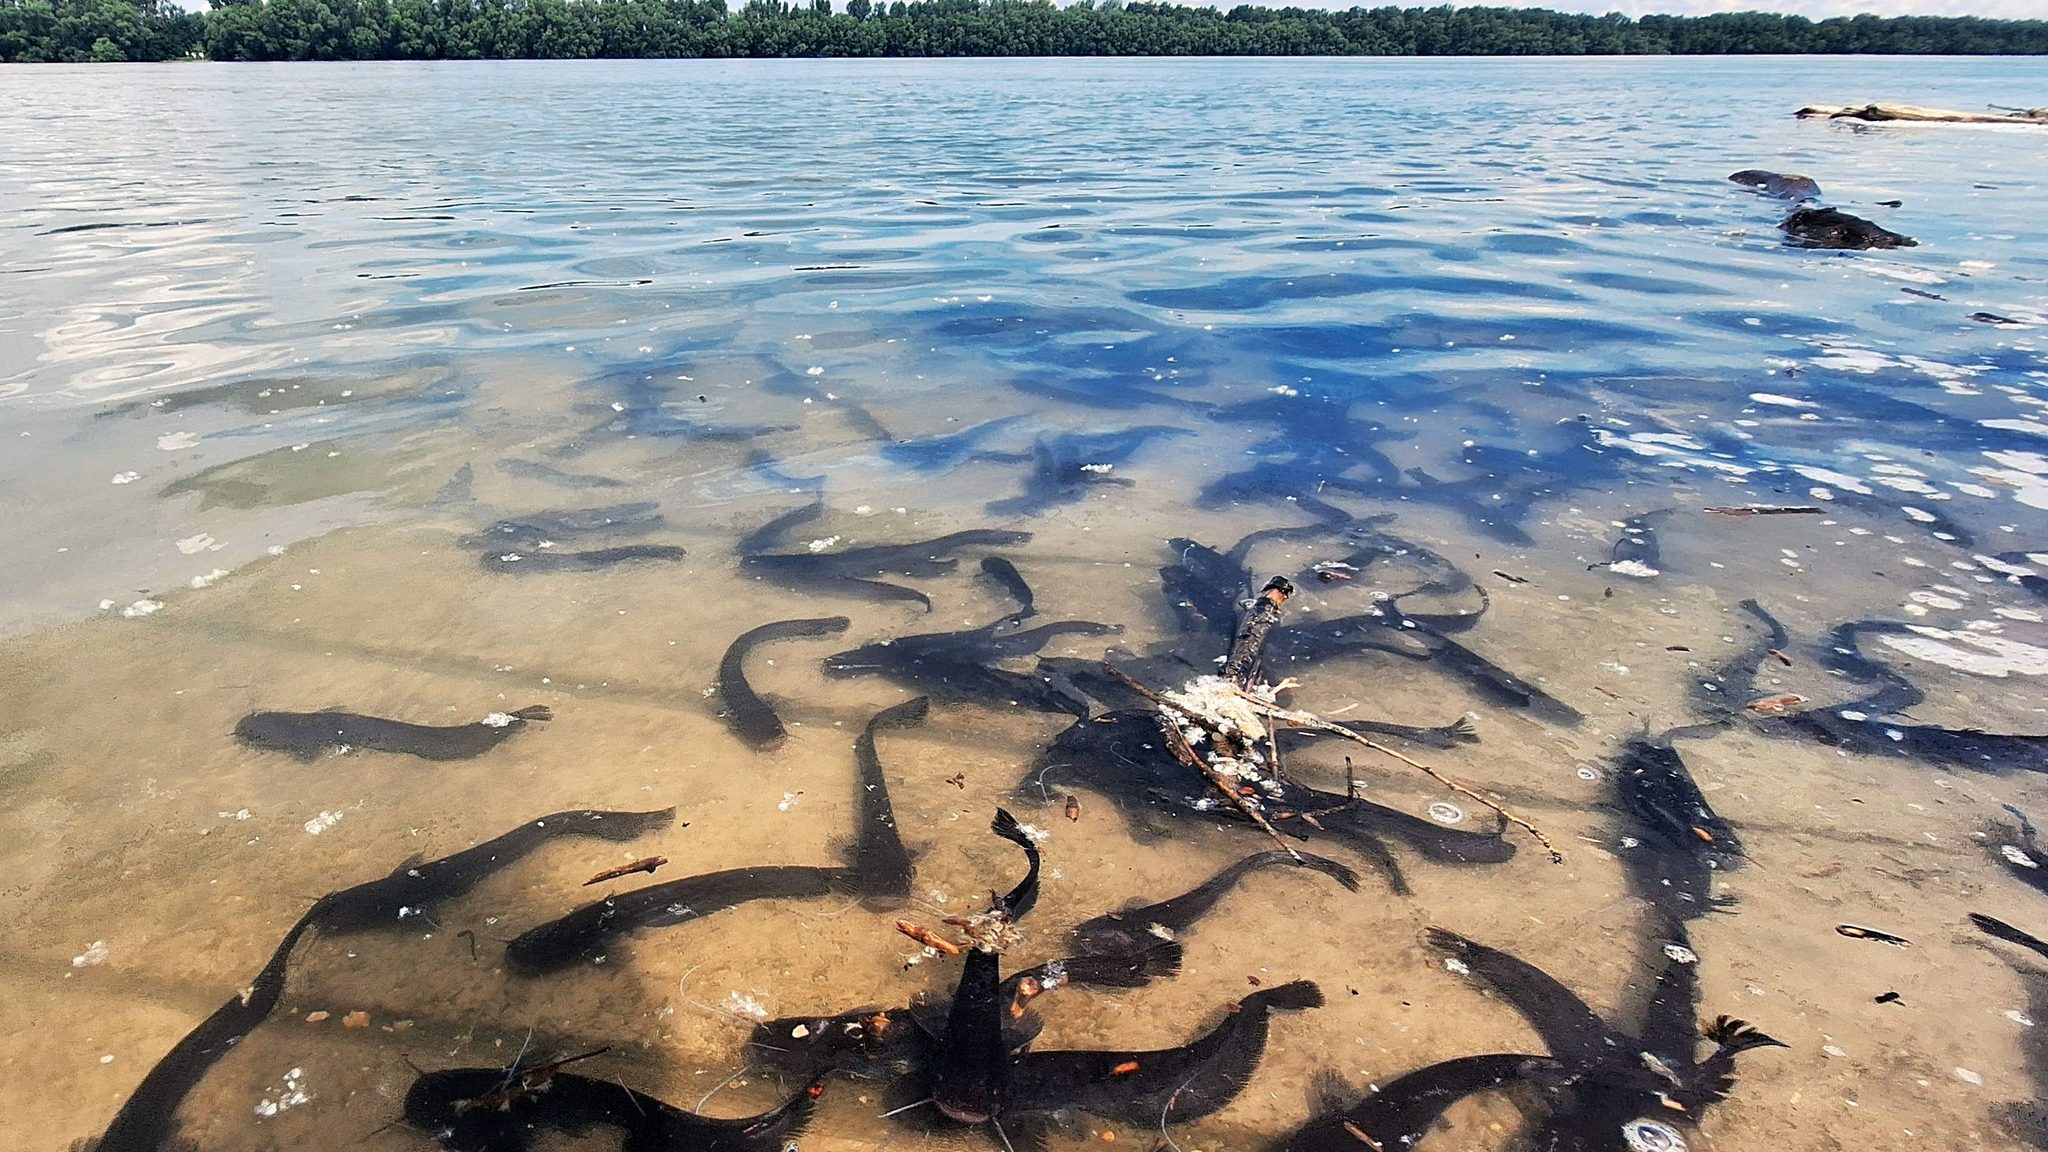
257 319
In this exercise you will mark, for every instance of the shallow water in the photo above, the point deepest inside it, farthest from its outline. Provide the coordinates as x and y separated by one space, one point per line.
262 324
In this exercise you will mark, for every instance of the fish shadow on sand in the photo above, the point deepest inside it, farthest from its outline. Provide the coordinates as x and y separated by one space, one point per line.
1601 1088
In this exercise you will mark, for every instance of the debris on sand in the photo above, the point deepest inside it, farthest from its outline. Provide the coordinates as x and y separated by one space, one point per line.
1217 725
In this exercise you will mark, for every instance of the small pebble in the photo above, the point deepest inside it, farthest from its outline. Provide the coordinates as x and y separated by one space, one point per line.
356 1019
315 1017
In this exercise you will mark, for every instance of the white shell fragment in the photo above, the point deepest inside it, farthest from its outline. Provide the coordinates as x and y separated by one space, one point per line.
1651 1136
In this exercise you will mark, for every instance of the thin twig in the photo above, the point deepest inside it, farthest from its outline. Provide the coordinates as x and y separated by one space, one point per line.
1178 745
720 1086
1312 721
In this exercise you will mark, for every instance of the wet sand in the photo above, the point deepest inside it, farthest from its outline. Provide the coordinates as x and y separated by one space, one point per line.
126 793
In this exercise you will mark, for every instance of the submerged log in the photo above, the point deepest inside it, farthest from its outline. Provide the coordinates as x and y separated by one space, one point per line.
1880 113
1243 665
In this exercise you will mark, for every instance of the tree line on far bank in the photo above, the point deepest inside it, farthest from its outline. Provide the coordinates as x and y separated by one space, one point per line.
153 30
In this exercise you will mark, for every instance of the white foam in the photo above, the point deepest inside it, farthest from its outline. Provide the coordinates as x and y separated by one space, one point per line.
177 441
1635 568
1993 656
199 543
1853 359
1781 401
2031 427
1833 479
1933 600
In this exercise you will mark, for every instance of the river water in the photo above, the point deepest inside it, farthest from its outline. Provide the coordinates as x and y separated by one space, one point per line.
278 343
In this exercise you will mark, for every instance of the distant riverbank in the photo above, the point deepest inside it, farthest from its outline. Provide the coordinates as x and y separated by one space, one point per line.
80 31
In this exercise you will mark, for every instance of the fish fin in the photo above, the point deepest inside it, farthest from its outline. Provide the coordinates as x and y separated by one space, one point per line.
1006 826
1132 970
1991 926
535 712
1329 1092
1735 1035
1020 1032
908 714
1331 868
2026 825
622 826
1463 730
1294 997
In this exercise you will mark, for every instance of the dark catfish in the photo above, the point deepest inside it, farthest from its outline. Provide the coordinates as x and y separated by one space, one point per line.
1672 843
1066 466
1658 790
889 1043
857 572
1995 752
1607 1082
594 560
530 470
749 716
878 854
1004 575
1387 628
939 453
147 1122
1167 1086
971 1070
308 734
1830 228
1140 926
1992 926
584 934
1784 186
1398 1113
963 665
1637 546
2020 853
492 1110
416 889
1120 754
530 533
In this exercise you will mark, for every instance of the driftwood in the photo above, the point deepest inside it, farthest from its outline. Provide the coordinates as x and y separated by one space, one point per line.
1216 724
1880 113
